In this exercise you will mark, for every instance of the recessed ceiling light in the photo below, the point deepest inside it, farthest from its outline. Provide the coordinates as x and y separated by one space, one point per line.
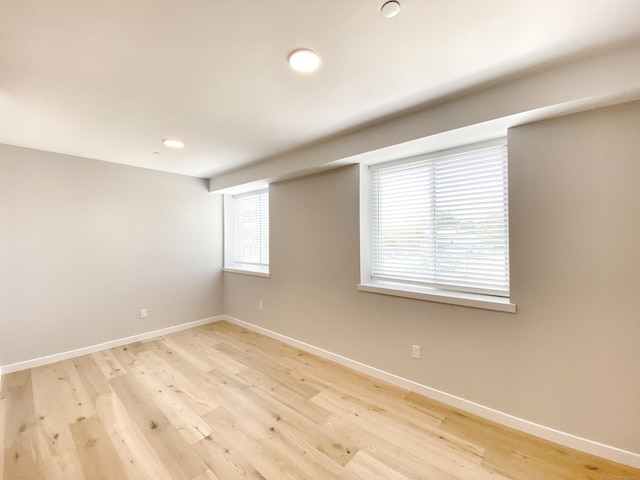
304 60
168 142
390 9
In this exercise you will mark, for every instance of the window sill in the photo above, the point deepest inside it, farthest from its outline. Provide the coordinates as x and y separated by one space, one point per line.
472 300
245 271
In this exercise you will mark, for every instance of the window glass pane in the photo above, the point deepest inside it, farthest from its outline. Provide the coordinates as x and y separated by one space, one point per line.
252 229
443 222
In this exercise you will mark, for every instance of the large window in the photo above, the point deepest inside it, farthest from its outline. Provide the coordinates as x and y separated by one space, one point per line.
439 226
247 232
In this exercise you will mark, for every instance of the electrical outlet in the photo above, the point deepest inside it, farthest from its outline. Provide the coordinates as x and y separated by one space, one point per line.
143 313
416 351
260 304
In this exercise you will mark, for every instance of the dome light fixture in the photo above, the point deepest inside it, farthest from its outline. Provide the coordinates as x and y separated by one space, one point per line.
304 60
390 9
172 143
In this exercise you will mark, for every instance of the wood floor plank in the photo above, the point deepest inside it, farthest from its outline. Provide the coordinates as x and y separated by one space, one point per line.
271 423
95 384
442 456
328 375
283 393
274 368
181 364
188 349
108 364
97 454
3 412
138 458
235 334
191 392
394 456
202 339
251 356
293 428
327 372
176 454
208 475
65 466
203 344
219 402
253 446
519 455
399 432
56 446
21 453
190 425
227 361
58 389
60 400
16 379
271 454
366 466
223 460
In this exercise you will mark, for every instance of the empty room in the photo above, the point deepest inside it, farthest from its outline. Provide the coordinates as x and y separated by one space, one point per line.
356 240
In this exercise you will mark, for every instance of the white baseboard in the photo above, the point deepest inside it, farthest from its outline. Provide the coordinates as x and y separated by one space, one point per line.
562 438
57 357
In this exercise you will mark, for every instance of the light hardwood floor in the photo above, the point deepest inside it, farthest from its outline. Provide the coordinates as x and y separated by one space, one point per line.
221 402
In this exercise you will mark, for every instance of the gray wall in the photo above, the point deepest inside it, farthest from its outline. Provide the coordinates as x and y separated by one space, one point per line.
84 245
568 359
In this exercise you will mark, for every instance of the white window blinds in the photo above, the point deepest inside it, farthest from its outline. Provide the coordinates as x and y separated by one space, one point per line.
443 222
252 229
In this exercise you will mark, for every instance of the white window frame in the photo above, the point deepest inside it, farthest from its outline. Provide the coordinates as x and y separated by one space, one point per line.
407 289
231 262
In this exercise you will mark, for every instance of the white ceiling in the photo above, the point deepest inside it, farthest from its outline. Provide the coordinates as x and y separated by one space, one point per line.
110 79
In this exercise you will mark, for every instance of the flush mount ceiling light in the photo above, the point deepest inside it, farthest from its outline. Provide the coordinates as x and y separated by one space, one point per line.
172 143
304 60
390 9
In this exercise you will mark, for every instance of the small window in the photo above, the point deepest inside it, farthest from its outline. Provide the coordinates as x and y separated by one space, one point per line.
439 224
247 232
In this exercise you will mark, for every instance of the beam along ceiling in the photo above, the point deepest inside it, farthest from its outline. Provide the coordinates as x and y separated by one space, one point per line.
110 79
